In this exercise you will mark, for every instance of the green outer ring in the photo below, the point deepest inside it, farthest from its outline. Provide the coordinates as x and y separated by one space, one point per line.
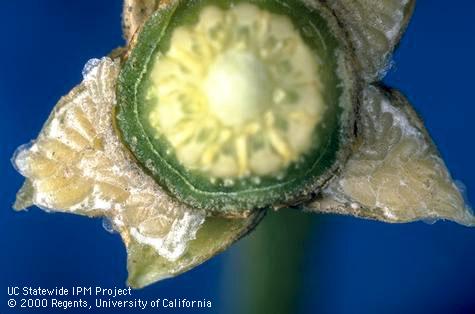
231 203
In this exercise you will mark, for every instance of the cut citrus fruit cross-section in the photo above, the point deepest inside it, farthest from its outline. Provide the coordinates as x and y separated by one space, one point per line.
239 106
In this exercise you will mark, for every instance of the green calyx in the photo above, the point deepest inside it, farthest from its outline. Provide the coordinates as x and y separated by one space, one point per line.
237 105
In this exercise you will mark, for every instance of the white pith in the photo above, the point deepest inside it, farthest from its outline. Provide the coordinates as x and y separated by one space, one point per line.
237 87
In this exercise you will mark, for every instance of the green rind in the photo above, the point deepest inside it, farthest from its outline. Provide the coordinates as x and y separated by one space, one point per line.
200 193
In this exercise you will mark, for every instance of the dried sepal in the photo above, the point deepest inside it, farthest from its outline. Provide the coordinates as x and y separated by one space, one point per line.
79 165
145 266
135 13
395 173
374 28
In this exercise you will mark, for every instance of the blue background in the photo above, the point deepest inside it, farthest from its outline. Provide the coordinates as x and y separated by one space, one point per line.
355 266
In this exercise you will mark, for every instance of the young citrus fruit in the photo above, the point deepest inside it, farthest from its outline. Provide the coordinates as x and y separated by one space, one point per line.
236 105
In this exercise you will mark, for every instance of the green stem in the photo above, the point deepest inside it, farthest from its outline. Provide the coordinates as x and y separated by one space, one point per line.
266 275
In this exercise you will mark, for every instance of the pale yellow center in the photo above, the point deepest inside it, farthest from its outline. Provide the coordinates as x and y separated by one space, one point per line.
237 94
238 88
